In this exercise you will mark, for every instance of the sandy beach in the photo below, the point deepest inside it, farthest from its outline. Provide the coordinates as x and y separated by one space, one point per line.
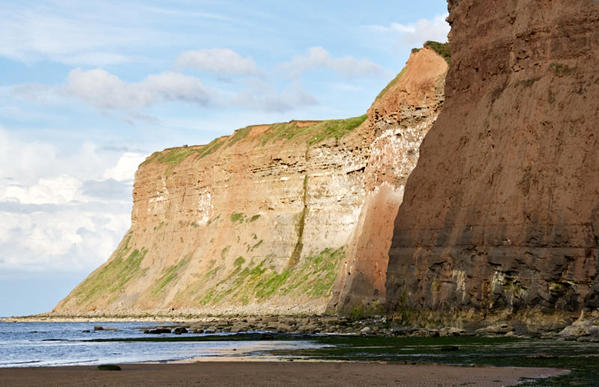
273 374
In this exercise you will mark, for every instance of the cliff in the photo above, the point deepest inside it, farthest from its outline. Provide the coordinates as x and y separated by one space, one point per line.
501 214
399 119
286 218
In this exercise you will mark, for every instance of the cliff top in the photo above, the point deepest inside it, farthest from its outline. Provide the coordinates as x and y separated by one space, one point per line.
411 85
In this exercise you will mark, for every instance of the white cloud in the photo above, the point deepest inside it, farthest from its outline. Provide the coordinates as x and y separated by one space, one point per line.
93 33
37 92
218 60
69 239
415 34
125 168
56 190
262 96
64 212
107 91
318 57
49 31
99 59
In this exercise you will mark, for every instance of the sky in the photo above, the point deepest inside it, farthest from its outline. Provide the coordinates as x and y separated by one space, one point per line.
88 89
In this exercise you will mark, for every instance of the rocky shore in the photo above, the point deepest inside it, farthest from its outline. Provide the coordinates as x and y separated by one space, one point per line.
560 327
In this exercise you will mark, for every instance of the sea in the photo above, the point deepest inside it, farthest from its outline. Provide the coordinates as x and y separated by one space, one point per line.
37 344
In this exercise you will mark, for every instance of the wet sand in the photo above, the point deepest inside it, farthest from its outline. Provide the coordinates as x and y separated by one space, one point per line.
273 374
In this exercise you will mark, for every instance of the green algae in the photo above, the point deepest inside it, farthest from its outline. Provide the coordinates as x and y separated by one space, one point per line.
467 351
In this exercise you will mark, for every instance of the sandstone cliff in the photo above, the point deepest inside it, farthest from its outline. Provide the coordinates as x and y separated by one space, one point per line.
399 119
273 219
501 214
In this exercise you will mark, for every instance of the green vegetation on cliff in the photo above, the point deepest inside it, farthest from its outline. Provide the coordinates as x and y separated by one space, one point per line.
212 147
314 133
111 278
169 274
391 84
443 49
312 276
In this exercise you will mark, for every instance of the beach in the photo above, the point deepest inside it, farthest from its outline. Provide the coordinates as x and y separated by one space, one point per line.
230 373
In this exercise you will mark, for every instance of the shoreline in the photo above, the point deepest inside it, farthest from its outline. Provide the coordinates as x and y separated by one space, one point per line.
260 373
582 328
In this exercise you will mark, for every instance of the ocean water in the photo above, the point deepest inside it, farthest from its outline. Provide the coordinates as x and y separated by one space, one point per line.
57 344
30 344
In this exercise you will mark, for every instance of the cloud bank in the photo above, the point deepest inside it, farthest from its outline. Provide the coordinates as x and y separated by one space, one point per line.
319 58
61 212
217 60
417 33
104 90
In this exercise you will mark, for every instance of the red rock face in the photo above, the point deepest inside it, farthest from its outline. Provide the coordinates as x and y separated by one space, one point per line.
398 121
502 210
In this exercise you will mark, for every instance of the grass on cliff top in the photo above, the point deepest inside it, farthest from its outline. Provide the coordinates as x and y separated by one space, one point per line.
312 133
174 156
313 277
443 49
239 134
284 131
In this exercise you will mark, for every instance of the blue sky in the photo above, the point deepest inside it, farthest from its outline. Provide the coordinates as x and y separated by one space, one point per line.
89 89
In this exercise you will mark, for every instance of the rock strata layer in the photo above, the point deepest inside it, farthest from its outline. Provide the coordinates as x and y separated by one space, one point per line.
273 219
501 214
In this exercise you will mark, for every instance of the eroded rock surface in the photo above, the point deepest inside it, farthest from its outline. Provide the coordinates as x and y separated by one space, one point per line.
501 214
266 220
398 121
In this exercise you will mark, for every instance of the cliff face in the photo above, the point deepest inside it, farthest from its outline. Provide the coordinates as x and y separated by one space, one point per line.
502 211
398 121
268 219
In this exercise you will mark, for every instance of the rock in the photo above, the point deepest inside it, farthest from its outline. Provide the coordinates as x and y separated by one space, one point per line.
497 329
501 212
157 331
180 330
451 331
579 328
109 367
366 331
305 191
100 328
